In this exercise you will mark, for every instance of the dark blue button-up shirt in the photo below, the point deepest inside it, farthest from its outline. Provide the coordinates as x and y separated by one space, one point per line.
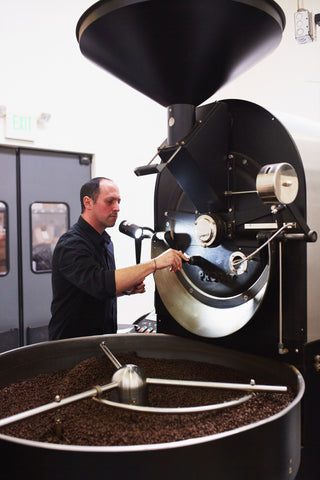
83 284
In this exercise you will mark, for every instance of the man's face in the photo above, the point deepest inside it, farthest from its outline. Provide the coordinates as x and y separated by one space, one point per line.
104 211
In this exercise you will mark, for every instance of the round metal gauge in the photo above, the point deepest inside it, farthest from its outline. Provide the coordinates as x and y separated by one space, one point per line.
277 183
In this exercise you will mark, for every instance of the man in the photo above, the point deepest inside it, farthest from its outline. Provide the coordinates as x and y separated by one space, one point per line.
85 282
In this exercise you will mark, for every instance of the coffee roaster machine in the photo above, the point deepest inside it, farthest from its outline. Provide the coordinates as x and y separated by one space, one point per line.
230 192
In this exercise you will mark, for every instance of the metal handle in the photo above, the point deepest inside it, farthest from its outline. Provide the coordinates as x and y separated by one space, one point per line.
110 355
287 225
148 169
93 392
229 386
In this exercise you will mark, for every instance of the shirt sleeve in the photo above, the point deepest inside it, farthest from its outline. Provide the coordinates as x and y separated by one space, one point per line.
79 265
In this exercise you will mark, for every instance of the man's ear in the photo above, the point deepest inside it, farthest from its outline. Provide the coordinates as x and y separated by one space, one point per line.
87 202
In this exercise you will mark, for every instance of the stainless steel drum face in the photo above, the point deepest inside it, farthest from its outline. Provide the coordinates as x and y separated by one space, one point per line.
213 295
194 300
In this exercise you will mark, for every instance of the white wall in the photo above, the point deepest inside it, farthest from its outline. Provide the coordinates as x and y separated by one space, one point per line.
42 70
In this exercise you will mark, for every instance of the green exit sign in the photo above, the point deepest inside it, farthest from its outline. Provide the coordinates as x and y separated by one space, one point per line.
20 126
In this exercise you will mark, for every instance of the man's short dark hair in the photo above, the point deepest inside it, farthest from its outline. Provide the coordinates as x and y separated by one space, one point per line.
91 189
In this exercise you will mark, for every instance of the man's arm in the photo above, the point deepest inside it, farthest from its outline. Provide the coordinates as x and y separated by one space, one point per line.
127 278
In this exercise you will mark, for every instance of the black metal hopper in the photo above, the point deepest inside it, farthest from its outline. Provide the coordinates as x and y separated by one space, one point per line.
179 51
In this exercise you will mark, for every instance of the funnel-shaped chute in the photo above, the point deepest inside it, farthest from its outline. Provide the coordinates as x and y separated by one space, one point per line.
179 51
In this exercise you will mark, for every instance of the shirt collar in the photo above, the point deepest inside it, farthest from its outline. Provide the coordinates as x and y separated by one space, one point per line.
97 238
106 237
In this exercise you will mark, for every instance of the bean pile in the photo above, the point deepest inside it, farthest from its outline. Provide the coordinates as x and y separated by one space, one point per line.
90 423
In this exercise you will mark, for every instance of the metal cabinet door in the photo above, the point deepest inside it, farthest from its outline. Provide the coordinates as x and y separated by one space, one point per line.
46 178
31 180
9 307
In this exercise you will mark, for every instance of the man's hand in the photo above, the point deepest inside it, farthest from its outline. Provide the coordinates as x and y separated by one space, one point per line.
170 258
140 288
